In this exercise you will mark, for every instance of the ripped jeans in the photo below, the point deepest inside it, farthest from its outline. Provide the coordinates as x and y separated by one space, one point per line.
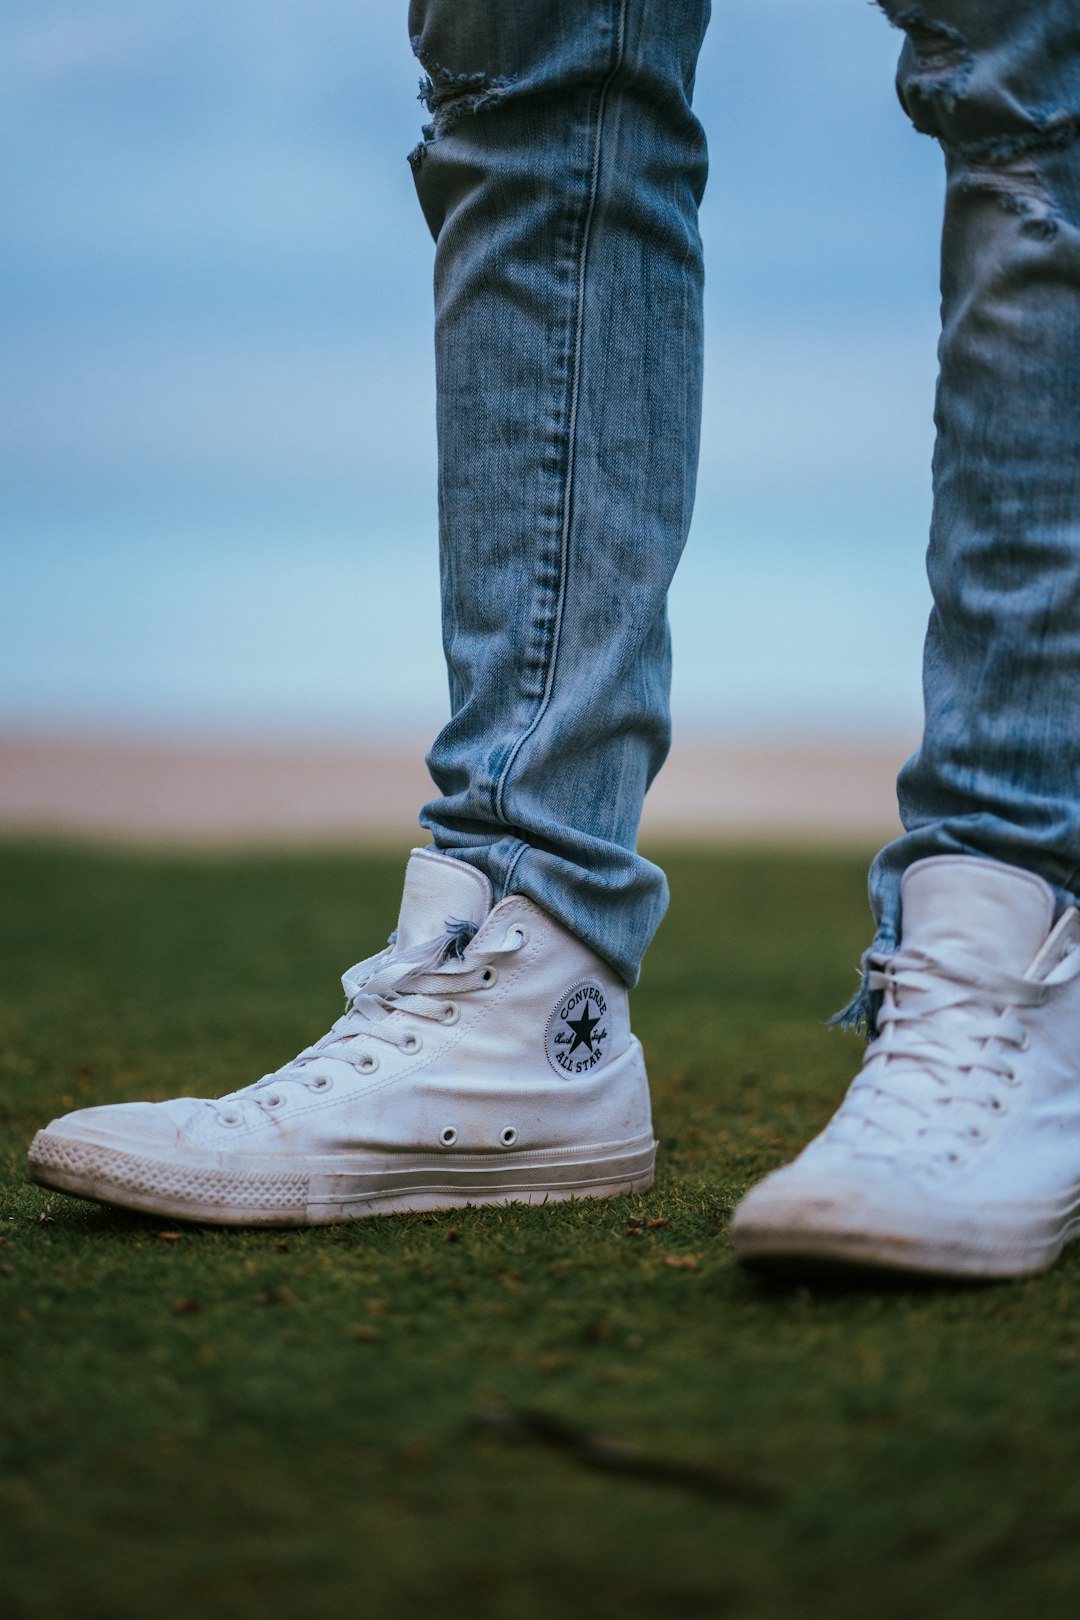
560 175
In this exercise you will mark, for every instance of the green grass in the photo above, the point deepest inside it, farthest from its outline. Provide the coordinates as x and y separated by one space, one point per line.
196 1427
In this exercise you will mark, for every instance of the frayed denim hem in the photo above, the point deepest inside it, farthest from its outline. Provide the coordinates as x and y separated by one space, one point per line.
860 1014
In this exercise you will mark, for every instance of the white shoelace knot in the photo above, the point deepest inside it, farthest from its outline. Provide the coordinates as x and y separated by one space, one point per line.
936 1079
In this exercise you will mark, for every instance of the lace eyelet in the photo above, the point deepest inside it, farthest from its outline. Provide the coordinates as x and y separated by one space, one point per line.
412 1043
448 1135
1010 1077
1025 1041
274 1100
450 1013
507 1136
997 1106
522 934
368 1063
321 1082
489 977
976 1133
230 1121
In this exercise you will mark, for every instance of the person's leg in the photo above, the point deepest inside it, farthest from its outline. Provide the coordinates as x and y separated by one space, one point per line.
958 1147
560 176
998 771
486 1056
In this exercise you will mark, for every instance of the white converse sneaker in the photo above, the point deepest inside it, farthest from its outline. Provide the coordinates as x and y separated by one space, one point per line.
957 1149
487 1069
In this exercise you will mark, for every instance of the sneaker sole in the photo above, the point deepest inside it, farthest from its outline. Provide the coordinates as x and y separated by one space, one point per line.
321 1191
987 1254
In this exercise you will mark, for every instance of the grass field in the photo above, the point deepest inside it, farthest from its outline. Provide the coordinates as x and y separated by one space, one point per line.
400 1417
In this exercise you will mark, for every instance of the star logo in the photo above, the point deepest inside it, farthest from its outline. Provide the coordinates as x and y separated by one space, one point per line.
577 1039
583 1030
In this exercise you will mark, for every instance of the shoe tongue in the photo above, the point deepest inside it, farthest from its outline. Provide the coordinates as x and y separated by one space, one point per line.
997 913
439 890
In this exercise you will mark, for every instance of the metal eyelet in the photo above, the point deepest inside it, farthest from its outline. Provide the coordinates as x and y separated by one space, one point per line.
368 1063
489 977
411 1043
450 1013
508 1136
448 1135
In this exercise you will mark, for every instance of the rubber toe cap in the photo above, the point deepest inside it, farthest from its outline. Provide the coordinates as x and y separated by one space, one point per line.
130 1127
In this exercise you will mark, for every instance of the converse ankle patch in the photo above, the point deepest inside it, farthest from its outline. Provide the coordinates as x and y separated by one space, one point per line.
576 1039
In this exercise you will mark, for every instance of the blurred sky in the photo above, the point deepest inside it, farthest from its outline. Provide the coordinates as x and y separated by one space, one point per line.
216 413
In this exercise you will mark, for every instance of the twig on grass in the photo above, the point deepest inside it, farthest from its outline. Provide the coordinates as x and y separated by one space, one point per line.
595 1451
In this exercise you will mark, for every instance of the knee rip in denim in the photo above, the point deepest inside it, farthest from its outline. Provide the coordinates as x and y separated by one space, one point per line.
449 96
944 58
1002 166
1017 187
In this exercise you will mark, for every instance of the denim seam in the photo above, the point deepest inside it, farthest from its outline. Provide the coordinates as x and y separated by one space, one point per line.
508 875
579 321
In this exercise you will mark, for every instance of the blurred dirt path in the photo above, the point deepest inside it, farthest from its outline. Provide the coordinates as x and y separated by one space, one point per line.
216 793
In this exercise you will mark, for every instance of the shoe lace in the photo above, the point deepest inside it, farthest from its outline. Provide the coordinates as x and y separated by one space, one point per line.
423 982
948 1035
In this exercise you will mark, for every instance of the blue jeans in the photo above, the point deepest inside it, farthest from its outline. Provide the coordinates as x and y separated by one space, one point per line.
560 175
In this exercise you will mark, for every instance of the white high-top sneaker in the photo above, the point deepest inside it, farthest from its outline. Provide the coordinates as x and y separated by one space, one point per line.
957 1149
494 1071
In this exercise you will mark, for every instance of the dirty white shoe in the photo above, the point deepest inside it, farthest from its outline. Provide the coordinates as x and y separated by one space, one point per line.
465 1070
957 1148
